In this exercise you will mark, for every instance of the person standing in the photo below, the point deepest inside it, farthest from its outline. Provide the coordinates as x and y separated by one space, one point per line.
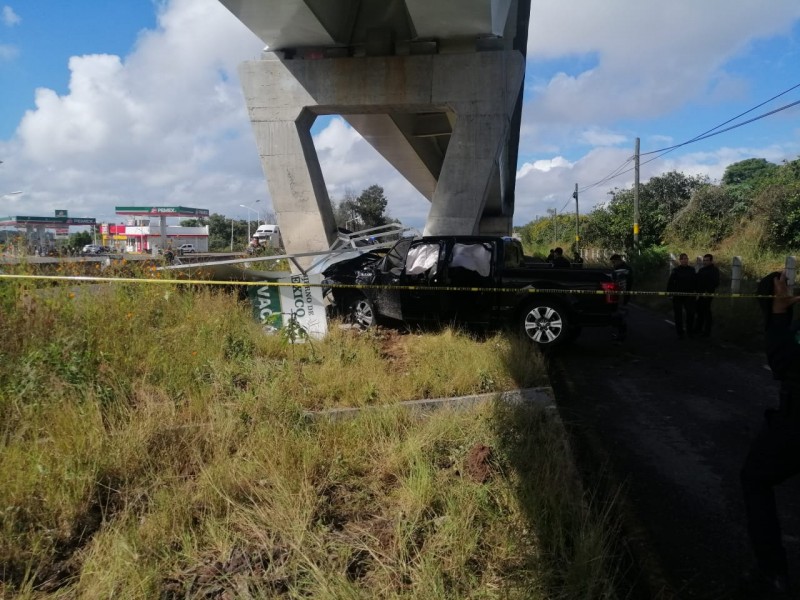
683 281
559 260
774 455
707 283
623 277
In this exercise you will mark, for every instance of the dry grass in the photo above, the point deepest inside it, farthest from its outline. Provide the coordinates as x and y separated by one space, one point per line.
154 444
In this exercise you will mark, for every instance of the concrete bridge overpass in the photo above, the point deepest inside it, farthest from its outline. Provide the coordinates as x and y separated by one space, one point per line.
435 86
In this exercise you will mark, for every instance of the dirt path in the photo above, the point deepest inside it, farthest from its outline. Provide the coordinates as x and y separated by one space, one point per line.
672 419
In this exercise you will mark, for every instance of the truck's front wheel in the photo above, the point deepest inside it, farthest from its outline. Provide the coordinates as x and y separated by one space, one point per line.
545 323
360 313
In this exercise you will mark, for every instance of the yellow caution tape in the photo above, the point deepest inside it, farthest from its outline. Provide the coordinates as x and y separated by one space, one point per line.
359 286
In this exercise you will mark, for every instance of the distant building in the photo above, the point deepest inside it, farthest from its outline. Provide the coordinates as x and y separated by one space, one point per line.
140 236
146 229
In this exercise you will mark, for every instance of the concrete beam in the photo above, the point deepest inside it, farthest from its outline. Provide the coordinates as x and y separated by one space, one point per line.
480 90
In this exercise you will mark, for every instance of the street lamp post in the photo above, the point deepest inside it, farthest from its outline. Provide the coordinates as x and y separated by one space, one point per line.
248 218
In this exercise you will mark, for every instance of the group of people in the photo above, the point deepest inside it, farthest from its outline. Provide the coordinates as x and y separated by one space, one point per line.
559 261
692 309
774 454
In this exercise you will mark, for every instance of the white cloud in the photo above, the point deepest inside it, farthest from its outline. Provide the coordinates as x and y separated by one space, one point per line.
167 123
598 137
349 163
652 57
10 18
8 52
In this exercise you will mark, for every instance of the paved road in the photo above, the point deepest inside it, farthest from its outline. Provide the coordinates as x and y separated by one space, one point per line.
673 419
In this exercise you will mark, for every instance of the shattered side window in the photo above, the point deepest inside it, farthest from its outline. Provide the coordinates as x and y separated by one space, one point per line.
513 255
396 257
422 259
473 257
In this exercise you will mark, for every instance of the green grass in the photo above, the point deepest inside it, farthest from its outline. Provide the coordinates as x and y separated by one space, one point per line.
155 444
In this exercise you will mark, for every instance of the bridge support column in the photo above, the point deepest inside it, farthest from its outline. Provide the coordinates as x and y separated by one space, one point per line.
464 173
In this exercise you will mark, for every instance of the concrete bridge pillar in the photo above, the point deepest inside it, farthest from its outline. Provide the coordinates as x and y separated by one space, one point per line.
442 120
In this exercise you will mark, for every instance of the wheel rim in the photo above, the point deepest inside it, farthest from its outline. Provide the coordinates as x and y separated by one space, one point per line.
543 324
363 315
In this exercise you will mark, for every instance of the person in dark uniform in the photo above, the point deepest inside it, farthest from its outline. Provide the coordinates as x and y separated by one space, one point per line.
775 453
707 283
683 280
559 260
623 277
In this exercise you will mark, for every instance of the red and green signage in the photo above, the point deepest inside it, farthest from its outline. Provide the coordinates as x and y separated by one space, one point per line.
28 220
167 211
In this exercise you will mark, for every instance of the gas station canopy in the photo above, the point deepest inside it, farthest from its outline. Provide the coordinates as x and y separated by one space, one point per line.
162 211
22 221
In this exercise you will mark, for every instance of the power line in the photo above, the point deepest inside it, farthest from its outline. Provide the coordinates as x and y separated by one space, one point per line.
702 136
705 134
614 173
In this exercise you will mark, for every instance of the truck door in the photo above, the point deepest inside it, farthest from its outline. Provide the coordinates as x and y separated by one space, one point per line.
469 266
390 275
419 298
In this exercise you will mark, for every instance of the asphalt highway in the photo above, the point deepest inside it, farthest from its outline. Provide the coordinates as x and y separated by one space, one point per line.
671 421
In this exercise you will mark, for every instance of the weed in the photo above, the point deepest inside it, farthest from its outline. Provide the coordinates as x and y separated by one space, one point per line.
154 445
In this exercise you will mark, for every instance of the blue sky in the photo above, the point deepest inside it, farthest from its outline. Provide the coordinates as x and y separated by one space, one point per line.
138 102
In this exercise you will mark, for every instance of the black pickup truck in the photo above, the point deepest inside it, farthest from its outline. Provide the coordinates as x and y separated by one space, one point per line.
419 274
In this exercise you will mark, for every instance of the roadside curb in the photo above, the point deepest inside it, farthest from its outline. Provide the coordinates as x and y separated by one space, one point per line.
542 396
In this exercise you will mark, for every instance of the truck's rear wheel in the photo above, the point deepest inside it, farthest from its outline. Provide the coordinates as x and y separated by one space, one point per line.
545 323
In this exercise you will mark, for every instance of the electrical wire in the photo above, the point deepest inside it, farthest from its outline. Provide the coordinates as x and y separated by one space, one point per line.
702 136
614 173
705 134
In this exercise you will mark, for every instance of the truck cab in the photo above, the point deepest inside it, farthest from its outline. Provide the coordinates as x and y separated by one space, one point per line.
479 280
268 234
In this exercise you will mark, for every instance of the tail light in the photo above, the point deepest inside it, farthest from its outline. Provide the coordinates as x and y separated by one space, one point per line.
608 288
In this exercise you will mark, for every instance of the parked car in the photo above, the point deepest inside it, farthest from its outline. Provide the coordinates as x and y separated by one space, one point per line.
91 249
186 249
477 280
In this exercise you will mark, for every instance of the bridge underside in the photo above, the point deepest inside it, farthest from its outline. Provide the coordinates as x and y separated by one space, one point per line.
443 110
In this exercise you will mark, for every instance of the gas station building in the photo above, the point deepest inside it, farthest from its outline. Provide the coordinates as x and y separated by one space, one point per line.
36 227
146 229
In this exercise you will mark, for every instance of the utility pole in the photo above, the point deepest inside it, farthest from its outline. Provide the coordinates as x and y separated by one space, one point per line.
636 197
577 222
231 234
555 226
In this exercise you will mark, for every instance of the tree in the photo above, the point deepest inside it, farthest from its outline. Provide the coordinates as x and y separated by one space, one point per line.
660 201
748 171
364 211
371 205
219 233
344 212
80 239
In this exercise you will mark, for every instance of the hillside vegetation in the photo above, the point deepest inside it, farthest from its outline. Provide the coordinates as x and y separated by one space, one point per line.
754 212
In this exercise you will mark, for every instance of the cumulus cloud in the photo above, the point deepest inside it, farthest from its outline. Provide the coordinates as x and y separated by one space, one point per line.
167 122
651 57
161 124
595 65
349 163
9 17
8 52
